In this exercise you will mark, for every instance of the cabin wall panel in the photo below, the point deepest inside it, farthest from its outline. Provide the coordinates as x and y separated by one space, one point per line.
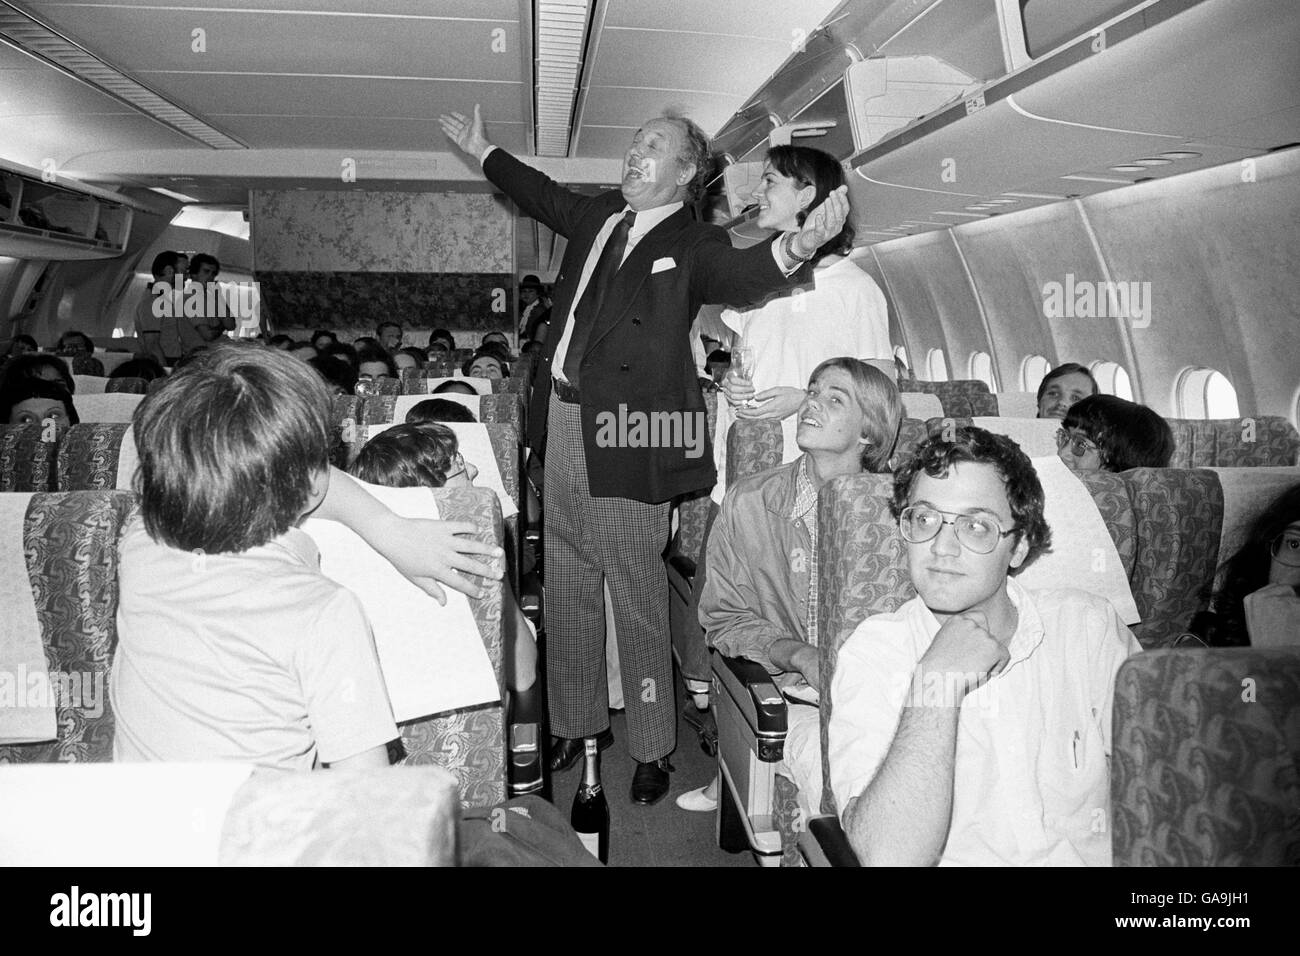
933 300
1220 250
865 261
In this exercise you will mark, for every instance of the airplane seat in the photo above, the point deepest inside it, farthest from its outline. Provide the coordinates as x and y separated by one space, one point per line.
911 432
1016 404
90 384
921 405
501 409
67 557
414 381
387 385
960 397
86 365
27 460
131 385
89 455
154 385
1261 441
470 742
345 413
106 407
1206 747
512 384
461 356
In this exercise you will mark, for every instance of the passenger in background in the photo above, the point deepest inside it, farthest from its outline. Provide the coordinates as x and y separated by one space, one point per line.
22 345
40 365
338 374
145 368
1062 387
1258 597
433 410
27 401
534 310
842 313
760 567
346 352
443 336
485 364
149 314
219 318
373 364
495 338
408 357
303 350
719 363
1105 432
323 339
972 725
428 456
456 388
389 335
281 342
79 348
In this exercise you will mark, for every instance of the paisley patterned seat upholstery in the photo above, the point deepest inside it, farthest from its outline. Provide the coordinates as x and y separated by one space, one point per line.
1264 440
967 398
88 457
753 446
1205 767
470 742
70 550
135 386
27 457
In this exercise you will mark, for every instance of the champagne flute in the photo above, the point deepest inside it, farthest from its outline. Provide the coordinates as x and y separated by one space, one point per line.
742 366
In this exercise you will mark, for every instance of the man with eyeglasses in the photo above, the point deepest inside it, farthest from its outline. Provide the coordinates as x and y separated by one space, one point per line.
972 725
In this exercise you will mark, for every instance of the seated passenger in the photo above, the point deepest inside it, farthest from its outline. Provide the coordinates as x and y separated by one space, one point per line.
303 350
389 335
51 368
145 367
758 599
26 401
972 725
1062 387
433 410
76 343
428 456
443 336
455 388
338 374
485 364
281 342
322 339
1108 433
22 345
1258 597
231 643
373 363
498 338
408 357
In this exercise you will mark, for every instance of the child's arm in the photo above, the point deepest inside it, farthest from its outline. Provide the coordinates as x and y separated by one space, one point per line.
425 551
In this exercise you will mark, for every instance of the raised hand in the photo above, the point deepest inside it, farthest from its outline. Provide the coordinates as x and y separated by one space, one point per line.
823 223
965 653
466 133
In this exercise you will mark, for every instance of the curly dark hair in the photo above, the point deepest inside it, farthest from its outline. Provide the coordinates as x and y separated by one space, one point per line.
822 171
1127 434
408 456
936 455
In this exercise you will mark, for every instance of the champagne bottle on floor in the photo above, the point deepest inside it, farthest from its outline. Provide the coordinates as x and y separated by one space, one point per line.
590 816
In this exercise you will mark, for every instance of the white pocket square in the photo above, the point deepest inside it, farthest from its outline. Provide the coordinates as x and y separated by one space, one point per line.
663 265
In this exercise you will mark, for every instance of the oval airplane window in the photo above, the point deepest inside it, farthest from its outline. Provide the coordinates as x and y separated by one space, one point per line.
1205 393
1032 371
1112 379
981 369
900 355
937 365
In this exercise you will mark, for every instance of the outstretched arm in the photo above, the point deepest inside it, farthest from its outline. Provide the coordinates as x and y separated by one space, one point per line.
537 195
427 552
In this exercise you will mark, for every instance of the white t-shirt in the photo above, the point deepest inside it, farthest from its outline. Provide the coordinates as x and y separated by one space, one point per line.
843 314
253 657
1031 781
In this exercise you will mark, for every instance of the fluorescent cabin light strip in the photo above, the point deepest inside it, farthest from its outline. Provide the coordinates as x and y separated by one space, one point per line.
561 39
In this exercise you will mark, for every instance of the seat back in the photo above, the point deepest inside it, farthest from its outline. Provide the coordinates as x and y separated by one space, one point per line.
131 385
960 397
470 742
1206 757
1016 404
70 552
1265 440
27 456
107 407
753 446
89 456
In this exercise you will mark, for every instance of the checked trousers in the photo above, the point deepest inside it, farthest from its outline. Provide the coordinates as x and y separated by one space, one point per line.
590 540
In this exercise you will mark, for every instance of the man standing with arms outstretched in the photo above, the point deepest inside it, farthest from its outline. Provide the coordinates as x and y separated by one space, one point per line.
636 269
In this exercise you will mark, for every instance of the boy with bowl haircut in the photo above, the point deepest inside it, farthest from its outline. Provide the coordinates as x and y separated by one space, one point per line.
972 725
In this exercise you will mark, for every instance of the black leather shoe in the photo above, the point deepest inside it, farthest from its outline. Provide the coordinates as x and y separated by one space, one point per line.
565 751
650 782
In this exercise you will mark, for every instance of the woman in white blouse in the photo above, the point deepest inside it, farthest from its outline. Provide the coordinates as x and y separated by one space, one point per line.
837 310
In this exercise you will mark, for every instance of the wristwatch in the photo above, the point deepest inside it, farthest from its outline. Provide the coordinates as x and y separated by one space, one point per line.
789 252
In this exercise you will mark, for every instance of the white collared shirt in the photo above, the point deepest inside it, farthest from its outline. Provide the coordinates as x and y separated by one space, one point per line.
1030 781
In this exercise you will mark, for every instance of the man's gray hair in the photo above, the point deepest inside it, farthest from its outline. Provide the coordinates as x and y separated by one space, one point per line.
694 152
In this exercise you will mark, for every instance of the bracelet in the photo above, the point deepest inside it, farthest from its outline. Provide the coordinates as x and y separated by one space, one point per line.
789 249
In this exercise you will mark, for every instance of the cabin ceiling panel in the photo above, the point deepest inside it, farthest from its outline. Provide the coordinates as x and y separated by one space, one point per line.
452 9
619 106
733 19
354 132
605 140
31 140
688 62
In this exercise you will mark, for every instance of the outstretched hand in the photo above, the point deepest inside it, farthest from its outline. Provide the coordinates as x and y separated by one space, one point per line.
430 552
466 133
824 223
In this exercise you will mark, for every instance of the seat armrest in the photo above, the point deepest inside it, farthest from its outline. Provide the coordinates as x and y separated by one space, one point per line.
530 598
682 565
825 843
750 688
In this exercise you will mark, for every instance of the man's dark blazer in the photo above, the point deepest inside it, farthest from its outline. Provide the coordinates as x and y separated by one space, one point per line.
638 356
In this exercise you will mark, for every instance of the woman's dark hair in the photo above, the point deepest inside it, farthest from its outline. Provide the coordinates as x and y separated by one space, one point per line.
368 353
445 336
1127 434
18 390
1068 368
323 333
936 455
407 456
229 449
30 366
338 374
1247 571
143 367
459 388
438 410
822 171
344 351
